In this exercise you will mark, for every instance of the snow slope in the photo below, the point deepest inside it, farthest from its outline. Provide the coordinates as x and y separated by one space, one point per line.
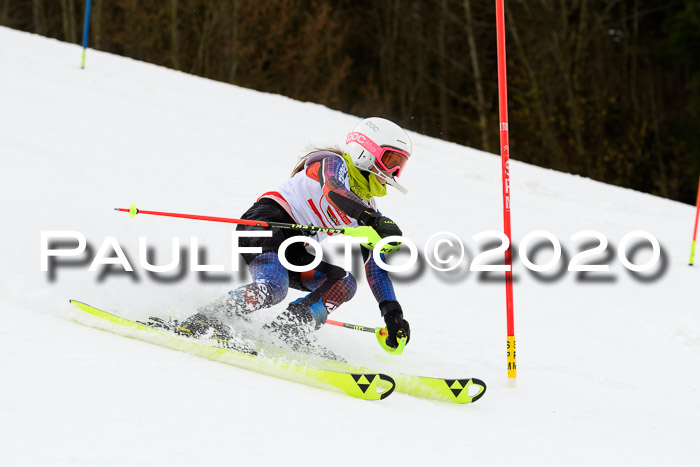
608 366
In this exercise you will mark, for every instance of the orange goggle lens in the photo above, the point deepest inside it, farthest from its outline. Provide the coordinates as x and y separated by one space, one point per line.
393 161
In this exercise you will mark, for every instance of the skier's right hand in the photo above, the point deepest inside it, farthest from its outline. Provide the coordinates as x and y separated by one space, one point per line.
396 326
384 226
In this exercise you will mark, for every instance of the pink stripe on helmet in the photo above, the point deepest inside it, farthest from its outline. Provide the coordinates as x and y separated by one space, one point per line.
365 142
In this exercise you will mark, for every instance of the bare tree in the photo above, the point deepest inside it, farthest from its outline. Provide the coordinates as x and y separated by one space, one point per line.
174 37
233 41
96 23
38 17
442 72
68 16
555 153
478 87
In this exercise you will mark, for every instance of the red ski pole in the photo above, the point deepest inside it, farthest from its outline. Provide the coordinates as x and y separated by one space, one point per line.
379 332
366 232
133 211
356 327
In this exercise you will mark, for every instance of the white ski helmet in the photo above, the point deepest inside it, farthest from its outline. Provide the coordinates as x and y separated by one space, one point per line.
379 146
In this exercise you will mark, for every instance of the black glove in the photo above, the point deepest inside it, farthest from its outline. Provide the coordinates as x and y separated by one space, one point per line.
384 226
395 324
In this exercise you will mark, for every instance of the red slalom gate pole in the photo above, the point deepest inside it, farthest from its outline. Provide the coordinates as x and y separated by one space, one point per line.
505 170
695 230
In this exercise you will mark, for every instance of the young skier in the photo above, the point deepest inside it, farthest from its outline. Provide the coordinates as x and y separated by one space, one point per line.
328 188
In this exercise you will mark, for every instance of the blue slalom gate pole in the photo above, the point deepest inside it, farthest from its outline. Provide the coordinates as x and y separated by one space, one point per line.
86 26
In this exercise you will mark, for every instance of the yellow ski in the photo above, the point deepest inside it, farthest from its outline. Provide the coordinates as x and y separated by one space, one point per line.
368 386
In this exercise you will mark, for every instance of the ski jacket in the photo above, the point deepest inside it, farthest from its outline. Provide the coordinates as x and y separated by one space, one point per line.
320 195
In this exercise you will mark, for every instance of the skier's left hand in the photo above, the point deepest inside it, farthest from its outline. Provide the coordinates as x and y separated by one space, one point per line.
384 226
396 325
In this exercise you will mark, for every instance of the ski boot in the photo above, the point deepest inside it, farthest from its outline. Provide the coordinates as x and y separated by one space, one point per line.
295 324
160 323
239 304
200 326
172 325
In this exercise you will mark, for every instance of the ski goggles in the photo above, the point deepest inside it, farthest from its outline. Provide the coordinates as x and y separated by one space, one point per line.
391 160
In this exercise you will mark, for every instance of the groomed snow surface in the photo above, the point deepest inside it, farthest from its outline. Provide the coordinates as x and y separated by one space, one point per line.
607 363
